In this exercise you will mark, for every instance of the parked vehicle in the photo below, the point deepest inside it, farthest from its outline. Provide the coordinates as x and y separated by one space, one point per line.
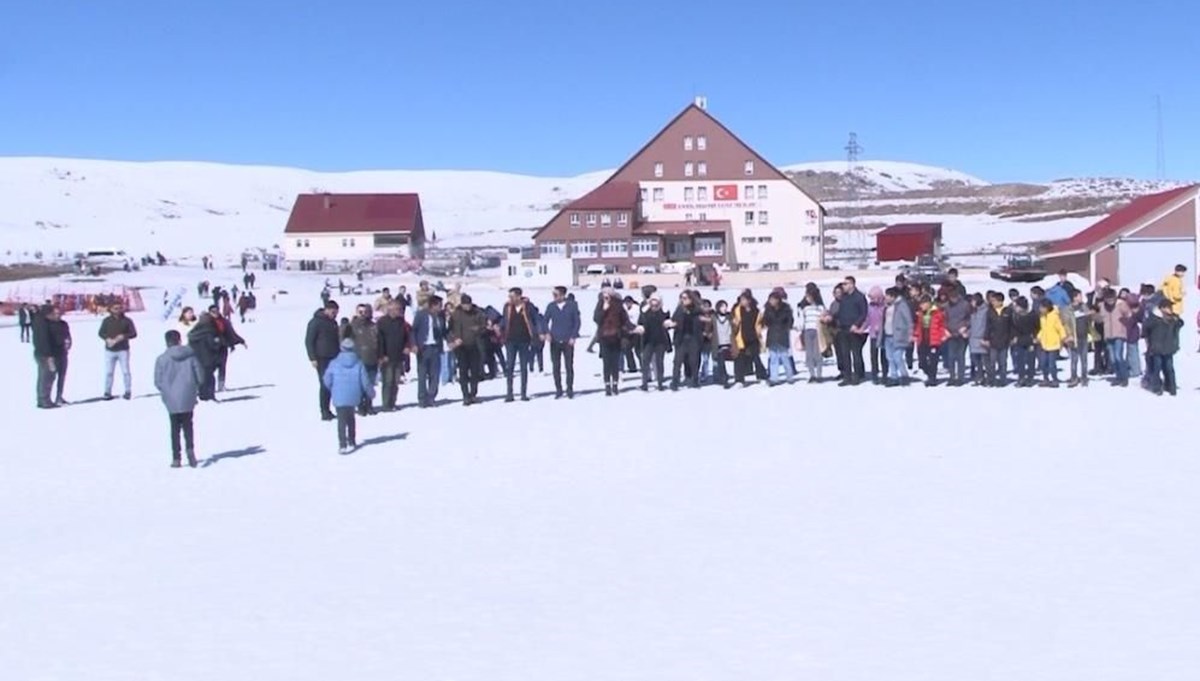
927 269
1021 268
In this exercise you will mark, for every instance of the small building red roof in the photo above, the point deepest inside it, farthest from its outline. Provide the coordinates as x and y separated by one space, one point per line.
316 213
911 228
682 228
607 196
1117 222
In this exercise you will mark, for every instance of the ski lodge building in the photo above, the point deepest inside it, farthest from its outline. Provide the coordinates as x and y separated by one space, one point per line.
694 193
348 229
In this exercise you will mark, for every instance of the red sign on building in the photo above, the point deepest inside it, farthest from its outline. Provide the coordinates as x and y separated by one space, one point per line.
725 192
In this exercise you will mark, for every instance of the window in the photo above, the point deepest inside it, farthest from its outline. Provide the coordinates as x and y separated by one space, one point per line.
811 240
390 240
701 142
688 216
747 240
710 245
614 248
687 143
749 168
306 243
606 219
645 248
702 169
512 270
749 217
583 249
591 220
543 269
574 219
299 243
658 194
345 243
689 169
703 217
643 194
689 194
762 191
678 248
765 239
351 243
762 217
748 192
553 249
622 219
702 194
658 169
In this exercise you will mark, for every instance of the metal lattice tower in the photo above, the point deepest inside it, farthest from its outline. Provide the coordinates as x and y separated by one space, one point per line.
856 240
1160 161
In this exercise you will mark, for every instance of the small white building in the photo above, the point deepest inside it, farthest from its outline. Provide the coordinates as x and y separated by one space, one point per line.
528 273
332 230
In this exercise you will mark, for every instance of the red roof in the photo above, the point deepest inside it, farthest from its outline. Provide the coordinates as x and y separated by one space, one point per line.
315 213
679 228
1118 222
912 228
609 195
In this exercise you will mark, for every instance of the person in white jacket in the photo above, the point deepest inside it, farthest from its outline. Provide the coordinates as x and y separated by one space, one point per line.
185 323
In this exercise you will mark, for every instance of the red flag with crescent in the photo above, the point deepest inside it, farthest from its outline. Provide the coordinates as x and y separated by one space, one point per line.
725 192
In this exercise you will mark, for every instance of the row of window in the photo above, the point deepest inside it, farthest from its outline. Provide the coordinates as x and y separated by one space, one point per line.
303 243
604 219
640 248
757 239
700 143
699 169
762 217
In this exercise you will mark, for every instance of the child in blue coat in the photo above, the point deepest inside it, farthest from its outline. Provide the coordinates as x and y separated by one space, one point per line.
348 383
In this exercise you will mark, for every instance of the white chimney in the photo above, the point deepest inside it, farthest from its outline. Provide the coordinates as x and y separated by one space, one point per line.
702 102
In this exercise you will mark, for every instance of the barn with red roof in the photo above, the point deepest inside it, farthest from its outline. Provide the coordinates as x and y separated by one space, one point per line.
353 229
1139 243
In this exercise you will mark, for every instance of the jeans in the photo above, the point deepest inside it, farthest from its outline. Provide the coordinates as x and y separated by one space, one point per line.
563 352
778 358
610 355
537 356
373 377
955 349
813 359
652 363
181 425
1023 356
687 361
389 379
997 365
1162 373
978 364
1133 359
897 367
111 359
46 373
449 368
346 427
1049 361
1079 361
429 363
1116 358
222 364
879 359
323 397
719 373
469 357
705 365
514 354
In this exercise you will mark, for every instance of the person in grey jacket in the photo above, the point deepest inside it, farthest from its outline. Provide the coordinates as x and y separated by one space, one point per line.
975 337
958 323
177 376
897 336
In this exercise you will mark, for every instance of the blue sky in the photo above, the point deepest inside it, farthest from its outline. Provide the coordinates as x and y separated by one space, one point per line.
1015 90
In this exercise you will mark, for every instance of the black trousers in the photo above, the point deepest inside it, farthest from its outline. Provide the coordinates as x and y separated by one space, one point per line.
323 396
429 369
652 362
687 361
470 366
60 363
928 358
346 427
562 352
746 364
389 379
997 366
26 333
631 354
222 363
45 380
208 384
850 357
879 360
517 354
181 424
610 355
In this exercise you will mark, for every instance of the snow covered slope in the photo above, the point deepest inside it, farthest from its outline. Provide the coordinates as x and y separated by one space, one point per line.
893 176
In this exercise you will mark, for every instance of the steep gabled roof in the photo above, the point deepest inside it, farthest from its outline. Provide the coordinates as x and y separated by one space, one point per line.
322 213
608 196
1118 222
704 112
911 228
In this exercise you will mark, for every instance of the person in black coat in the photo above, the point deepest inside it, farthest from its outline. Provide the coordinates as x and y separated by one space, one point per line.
205 341
323 344
58 333
686 325
997 337
43 354
777 320
1025 327
25 317
395 341
228 340
655 341
850 321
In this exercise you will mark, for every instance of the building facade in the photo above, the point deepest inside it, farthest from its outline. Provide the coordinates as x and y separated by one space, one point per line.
908 241
1139 243
340 229
695 193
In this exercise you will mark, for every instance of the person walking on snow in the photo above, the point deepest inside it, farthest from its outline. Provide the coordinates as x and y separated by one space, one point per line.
177 377
465 331
44 354
560 328
776 322
518 328
366 341
25 315
428 336
321 343
116 331
349 385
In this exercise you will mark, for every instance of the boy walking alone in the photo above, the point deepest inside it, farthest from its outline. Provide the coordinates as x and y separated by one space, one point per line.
177 376
348 383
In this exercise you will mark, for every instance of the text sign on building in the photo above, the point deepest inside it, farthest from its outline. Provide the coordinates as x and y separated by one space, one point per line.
706 206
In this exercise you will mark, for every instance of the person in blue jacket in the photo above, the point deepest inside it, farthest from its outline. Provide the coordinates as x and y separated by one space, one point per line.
560 327
349 384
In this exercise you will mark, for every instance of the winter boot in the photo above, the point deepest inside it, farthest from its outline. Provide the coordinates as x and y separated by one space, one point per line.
221 386
175 463
191 457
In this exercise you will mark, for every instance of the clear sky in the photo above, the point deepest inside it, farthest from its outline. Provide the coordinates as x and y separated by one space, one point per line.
1011 90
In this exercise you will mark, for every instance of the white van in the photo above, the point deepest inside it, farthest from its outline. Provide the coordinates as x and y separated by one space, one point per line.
599 269
107 258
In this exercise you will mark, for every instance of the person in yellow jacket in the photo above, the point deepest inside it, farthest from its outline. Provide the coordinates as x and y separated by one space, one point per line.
1051 337
1172 289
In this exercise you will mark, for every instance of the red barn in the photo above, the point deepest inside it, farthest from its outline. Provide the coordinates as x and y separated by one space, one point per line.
908 241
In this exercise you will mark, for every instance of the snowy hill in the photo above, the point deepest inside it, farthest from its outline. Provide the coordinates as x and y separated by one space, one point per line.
184 208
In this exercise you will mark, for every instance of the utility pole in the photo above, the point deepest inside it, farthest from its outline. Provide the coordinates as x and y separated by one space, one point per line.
856 241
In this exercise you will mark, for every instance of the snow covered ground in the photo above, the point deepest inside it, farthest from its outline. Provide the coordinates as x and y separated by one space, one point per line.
804 532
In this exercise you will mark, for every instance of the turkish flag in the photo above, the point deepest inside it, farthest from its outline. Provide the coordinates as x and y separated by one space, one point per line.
725 192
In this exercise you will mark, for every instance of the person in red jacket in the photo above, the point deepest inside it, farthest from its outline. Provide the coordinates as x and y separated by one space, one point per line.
928 334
